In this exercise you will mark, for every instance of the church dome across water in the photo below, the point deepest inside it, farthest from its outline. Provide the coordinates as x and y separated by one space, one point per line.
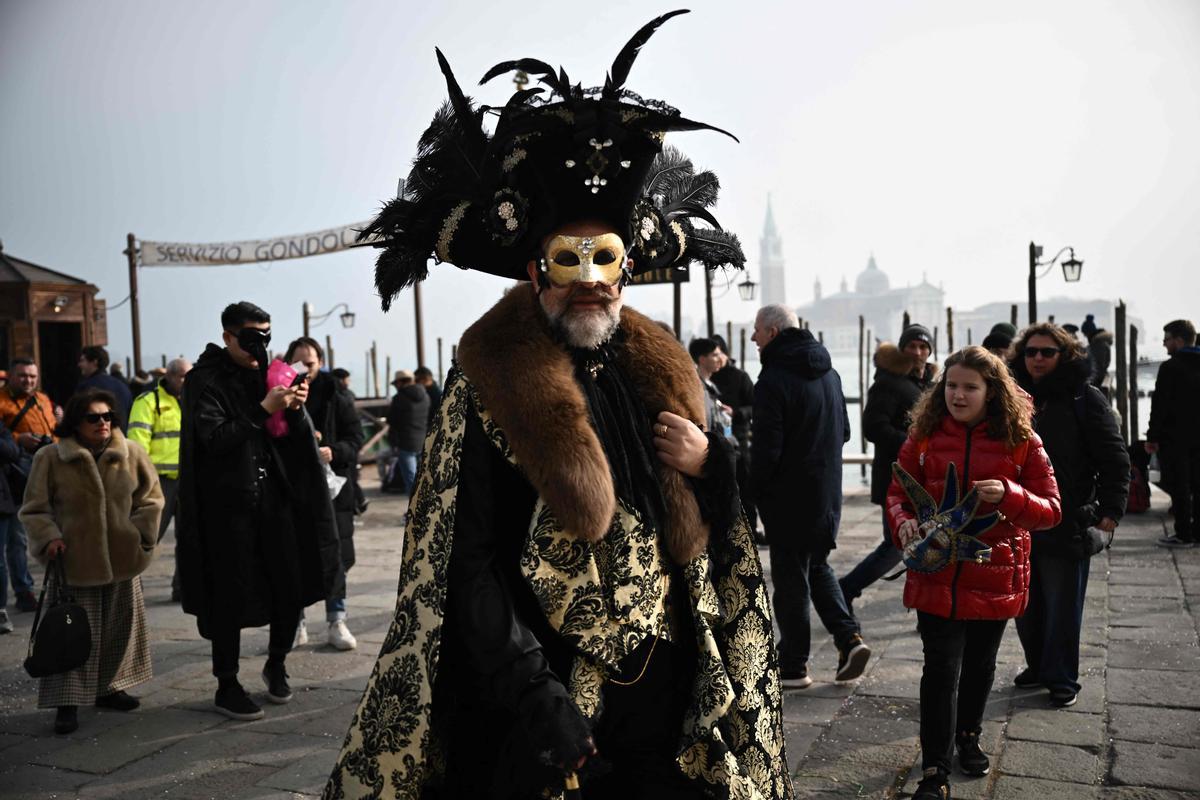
872 280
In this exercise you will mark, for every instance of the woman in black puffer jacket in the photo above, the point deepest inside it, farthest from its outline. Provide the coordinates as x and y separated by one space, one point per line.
1081 435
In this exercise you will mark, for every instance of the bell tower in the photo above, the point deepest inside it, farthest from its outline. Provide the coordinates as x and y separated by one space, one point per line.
771 261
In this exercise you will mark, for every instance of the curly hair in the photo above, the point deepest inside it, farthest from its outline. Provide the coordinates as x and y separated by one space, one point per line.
1072 349
1008 413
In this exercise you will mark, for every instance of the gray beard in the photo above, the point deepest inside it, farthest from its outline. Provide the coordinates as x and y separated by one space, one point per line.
586 330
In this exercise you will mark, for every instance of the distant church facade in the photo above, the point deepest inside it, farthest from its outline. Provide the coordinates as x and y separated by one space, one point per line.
835 315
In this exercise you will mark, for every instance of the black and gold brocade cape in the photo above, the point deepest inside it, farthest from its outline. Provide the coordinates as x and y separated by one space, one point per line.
731 741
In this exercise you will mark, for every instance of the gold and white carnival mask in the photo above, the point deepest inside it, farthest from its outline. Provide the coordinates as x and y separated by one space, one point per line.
584 259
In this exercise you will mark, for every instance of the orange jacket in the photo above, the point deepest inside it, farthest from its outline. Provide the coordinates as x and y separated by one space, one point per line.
38 421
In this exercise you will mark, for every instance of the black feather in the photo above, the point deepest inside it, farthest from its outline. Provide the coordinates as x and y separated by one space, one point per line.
398 267
472 131
389 219
530 65
659 122
629 53
670 167
715 248
690 210
699 190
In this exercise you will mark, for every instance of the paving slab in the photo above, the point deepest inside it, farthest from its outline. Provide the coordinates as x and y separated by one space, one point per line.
1156 765
1051 725
893 678
1164 575
1154 688
1174 655
1142 793
864 770
799 740
799 707
1051 762
140 736
307 775
1019 787
32 782
1142 724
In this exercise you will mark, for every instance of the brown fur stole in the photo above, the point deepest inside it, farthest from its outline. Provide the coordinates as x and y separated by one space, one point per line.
526 381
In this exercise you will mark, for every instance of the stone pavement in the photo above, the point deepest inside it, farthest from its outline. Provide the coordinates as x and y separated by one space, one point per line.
1132 735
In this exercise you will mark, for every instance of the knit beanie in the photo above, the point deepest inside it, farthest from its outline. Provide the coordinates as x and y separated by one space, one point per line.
916 333
997 340
1006 328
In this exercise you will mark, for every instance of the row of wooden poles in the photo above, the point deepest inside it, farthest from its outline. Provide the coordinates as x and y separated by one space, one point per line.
1126 358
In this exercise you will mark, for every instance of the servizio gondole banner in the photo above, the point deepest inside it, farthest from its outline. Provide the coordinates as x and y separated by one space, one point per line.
213 254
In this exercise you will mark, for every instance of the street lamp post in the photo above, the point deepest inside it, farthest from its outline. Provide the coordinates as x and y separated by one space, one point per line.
746 289
1072 272
312 320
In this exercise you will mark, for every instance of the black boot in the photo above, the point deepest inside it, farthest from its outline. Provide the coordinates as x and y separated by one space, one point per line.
118 701
934 786
275 677
971 759
233 702
66 719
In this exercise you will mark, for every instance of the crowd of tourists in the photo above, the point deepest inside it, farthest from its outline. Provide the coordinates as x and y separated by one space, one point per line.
581 607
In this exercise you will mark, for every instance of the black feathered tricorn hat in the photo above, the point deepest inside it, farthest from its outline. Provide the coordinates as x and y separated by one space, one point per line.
486 202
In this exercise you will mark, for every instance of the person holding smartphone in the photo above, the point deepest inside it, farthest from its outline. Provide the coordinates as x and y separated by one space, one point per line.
256 535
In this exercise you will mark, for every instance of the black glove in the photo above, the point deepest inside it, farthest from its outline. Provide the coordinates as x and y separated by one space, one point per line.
557 730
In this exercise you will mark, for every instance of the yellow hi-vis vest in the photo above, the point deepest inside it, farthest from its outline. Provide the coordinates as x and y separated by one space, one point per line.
154 422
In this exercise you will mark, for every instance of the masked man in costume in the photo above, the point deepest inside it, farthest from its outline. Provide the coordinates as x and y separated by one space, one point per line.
579 591
255 529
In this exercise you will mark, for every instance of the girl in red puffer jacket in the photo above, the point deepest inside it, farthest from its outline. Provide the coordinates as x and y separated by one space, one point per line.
976 419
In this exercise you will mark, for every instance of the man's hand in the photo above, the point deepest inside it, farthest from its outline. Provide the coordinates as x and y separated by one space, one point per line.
990 491
28 441
300 397
907 531
326 454
680 444
56 548
278 398
1151 447
1108 524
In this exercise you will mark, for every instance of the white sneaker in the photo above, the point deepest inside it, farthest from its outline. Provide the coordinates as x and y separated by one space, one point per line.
340 637
301 634
6 625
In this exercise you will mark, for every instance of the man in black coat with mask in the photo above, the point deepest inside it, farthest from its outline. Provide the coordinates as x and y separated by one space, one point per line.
257 541
800 425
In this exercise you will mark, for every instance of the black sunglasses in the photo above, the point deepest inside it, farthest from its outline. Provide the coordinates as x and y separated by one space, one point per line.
1047 352
94 419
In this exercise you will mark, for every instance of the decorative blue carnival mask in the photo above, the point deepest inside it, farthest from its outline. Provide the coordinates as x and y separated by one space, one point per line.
948 530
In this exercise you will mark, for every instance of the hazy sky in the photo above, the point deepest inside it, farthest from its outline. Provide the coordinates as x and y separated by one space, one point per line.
942 136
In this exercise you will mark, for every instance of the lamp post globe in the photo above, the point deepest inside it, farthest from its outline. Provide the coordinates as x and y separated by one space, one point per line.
747 289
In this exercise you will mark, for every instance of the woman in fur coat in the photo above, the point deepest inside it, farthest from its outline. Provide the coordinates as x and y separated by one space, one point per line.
93 500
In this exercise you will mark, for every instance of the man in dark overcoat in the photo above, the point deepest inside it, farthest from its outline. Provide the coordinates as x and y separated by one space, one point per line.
800 425
257 541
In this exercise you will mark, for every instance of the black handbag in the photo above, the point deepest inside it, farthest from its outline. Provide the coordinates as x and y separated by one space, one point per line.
61 639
